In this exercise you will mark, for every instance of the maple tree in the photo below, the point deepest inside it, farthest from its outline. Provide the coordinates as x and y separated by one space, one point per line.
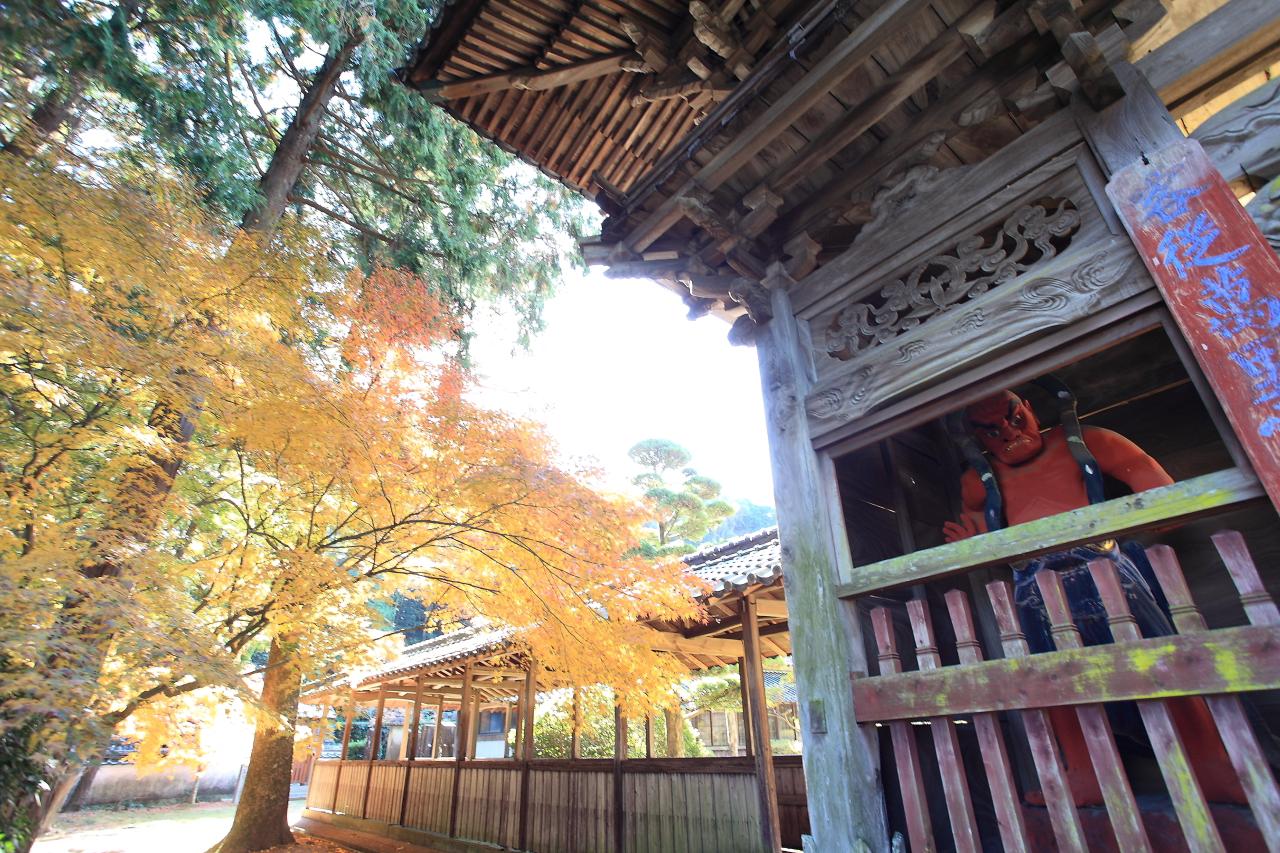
332 456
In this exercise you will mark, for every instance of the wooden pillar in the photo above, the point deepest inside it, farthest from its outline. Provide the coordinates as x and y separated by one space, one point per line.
648 736
417 719
528 698
322 729
749 744
438 728
411 737
517 748
758 725
575 728
846 801
374 741
342 751
675 732
619 756
460 738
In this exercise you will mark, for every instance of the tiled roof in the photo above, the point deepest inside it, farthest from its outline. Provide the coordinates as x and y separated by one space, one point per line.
453 645
727 566
739 563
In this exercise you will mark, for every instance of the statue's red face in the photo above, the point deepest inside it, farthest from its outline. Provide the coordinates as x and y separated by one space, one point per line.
1006 427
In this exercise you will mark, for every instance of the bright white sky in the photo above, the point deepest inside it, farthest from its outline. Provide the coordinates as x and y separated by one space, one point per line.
618 363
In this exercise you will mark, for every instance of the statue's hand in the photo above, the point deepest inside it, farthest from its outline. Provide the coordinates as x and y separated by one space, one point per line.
954 531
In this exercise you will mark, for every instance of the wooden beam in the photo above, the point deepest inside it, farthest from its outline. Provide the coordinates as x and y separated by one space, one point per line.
771 608
664 642
1204 495
374 743
1243 140
619 756
1204 60
1227 660
417 720
436 729
888 96
460 739
532 79
846 808
758 722
842 61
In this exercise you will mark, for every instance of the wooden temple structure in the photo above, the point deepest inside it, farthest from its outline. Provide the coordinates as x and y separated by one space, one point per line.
435 789
907 207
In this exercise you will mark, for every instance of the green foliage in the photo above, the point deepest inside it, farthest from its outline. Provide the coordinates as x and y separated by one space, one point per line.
748 518
683 505
553 729
214 85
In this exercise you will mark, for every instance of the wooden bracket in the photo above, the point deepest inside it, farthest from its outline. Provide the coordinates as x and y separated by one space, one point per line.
1082 52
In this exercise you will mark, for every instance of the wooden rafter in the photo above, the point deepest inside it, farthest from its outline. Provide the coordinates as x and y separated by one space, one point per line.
533 79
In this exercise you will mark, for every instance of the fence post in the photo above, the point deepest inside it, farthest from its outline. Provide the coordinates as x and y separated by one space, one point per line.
374 742
758 710
461 739
527 702
413 745
619 755
342 752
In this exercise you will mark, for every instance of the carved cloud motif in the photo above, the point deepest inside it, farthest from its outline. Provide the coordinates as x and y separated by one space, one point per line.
1030 234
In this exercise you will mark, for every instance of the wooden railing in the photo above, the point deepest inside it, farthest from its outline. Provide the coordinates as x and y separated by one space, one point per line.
699 805
1005 696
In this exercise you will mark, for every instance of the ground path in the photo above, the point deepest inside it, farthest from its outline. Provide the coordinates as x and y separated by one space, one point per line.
164 829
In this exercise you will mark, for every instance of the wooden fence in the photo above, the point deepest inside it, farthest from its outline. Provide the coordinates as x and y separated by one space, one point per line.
1004 696
681 805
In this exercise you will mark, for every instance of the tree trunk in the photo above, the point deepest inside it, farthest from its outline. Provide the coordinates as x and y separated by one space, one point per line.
77 799
290 155
262 815
45 120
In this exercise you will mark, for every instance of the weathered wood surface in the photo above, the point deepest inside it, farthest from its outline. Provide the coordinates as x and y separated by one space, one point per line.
699 805
1171 752
1247 755
1241 37
430 789
906 757
793 810
995 757
691 813
1199 496
1243 140
944 216
845 802
1126 821
320 787
757 711
488 804
571 812
386 791
964 827
1221 281
1044 748
1230 660
351 787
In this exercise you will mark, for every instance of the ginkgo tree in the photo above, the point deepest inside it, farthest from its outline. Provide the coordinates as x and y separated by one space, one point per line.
330 455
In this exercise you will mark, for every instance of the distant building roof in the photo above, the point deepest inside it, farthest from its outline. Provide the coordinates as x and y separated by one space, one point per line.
728 567
739 563
460 643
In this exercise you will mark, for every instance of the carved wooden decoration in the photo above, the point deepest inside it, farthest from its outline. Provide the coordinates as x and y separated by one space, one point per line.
1013 262
1032 233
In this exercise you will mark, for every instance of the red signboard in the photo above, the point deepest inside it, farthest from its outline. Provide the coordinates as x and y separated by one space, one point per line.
1222 284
